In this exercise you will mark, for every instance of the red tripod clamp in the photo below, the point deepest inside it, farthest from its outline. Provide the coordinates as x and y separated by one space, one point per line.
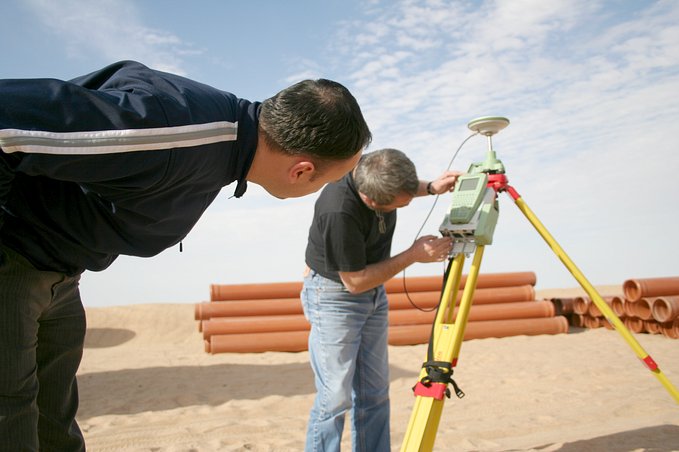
500 183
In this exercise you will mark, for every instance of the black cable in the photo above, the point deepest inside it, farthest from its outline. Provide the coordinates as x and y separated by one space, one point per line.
431 210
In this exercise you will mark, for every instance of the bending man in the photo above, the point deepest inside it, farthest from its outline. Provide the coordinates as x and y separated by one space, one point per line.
349 257
124 161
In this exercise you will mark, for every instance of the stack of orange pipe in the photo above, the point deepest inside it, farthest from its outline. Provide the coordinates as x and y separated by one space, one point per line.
248 318
587 314
649 305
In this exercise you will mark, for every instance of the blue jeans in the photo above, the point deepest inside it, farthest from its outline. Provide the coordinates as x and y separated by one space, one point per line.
42 331
348 354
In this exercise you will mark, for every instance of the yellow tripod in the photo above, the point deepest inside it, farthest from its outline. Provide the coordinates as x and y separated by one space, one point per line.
471 222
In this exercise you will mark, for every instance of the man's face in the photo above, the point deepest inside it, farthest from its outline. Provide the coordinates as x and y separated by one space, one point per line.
401 200
311 183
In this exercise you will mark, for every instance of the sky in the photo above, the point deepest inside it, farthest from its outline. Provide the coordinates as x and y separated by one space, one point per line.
591 89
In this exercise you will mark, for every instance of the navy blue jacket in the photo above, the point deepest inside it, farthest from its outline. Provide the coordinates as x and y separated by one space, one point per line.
124 160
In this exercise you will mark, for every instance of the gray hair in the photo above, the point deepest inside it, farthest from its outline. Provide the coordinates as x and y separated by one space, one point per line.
382 175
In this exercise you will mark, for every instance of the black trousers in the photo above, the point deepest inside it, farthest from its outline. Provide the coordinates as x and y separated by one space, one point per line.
42 333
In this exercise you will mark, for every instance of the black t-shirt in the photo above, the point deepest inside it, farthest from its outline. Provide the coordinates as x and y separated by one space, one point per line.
344 235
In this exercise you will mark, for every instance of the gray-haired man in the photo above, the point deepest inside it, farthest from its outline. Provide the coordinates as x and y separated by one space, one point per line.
349 258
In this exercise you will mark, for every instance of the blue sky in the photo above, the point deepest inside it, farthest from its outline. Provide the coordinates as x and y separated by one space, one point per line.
590 87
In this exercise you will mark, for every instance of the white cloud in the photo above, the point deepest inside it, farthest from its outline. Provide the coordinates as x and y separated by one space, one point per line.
590 90
591 96
112 29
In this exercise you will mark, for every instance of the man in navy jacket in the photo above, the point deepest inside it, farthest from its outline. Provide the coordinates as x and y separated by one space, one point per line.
124 161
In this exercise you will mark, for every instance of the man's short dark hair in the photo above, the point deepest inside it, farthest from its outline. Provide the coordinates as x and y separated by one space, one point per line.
382 175
319 118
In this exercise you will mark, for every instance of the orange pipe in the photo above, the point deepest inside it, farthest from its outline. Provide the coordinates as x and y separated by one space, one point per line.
291 289
629 309
490 295
652 327
618 306
593 309
581 305
642 309
671 330
516 310
295 341
593 322
578 320
235 308
563 305
419 334
665 309
483 281
223 292
423 300
634 324
277 341
635 289
254 324
297 322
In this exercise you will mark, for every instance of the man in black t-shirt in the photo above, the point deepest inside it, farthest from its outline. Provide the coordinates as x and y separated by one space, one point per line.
349 259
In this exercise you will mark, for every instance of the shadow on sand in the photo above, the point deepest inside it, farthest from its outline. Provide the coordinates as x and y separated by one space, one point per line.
659 438
129 391
107 337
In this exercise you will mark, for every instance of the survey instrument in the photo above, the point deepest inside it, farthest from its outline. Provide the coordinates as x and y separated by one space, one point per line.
470 222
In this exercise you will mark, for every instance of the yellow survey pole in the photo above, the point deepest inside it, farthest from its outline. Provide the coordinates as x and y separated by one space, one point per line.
595 297
447 335
424 419
444 348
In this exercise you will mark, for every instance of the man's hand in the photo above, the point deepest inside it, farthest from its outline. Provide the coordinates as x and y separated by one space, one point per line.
429 248
445 183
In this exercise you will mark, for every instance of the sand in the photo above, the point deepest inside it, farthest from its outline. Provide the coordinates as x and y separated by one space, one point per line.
146 384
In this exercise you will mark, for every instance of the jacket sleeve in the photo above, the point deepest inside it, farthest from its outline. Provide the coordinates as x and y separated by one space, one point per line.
53 115
122 100
45 106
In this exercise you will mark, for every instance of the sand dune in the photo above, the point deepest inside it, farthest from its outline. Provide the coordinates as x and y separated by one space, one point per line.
146 383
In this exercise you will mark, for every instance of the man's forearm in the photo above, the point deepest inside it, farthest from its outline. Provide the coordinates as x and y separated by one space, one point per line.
375 274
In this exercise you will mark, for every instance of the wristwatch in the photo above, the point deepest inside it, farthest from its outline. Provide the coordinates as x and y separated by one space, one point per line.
429 190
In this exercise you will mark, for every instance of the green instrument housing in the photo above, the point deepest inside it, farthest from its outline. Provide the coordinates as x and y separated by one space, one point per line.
473 212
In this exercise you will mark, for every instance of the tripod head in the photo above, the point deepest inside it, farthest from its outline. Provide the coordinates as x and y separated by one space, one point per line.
488 126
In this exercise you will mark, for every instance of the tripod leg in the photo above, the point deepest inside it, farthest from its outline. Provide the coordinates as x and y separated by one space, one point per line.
426 413
444 347
596 298
465 305
449 295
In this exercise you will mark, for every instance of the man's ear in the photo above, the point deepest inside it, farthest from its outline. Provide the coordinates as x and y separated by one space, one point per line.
301 170
367 201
